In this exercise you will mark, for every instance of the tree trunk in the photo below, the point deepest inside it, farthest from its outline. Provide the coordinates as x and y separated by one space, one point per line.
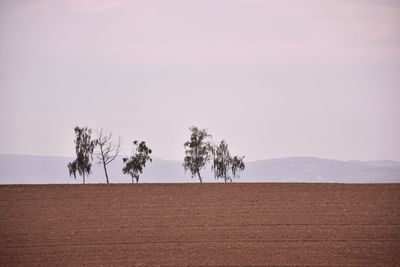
83 178
105 171
198 174
104 162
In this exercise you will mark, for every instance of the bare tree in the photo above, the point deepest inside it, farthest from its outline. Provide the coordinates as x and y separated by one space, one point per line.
108 150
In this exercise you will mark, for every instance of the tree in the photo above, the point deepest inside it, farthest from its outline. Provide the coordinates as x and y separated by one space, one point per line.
84 147
197 152
237 165
221 161
224 165
135 164
108 151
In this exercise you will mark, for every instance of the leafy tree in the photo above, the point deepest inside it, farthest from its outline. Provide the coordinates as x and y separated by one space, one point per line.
108 151
237 166
221 161
224 165
197 152
135 164
84 147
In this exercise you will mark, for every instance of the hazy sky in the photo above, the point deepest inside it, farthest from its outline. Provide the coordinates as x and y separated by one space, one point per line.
274 78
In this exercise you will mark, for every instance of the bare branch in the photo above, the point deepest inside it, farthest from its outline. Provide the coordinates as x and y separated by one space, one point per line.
115 150
108 151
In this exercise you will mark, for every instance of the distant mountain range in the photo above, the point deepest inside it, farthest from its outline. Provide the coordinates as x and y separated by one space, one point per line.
23 169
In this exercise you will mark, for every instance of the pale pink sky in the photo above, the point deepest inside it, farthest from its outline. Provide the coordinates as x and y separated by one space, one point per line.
274 78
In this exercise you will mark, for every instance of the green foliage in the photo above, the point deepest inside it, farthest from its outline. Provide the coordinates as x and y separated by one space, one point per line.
84 147
237 165
224 164
221 161
135 164
197 152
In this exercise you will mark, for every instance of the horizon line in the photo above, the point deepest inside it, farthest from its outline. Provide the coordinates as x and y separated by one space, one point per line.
252 161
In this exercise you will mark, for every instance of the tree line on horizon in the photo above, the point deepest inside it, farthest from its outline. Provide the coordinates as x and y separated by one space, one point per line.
199 151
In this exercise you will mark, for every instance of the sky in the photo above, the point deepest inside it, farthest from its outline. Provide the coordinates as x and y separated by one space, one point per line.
273 78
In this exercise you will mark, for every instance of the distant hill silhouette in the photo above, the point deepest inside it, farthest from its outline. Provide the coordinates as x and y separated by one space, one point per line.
23 169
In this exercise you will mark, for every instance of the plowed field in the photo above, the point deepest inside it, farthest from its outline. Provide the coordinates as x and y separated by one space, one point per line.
200 224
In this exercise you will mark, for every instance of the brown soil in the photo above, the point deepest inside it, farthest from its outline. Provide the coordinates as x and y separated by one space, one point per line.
200 224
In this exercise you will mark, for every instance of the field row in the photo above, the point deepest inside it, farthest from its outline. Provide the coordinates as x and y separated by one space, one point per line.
208 224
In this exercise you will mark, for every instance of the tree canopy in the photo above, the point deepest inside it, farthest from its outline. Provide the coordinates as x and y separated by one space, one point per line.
135 164
84 146
197 152
224 165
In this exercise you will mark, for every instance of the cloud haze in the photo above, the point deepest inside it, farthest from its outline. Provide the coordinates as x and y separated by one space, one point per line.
274 78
